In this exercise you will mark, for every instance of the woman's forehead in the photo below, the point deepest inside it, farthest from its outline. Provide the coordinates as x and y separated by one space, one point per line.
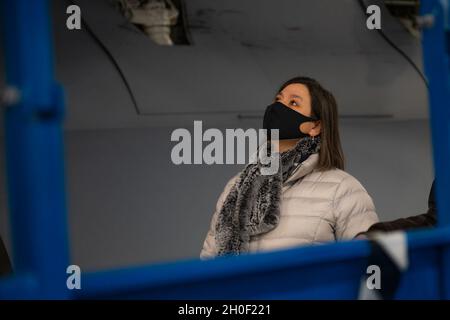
296 89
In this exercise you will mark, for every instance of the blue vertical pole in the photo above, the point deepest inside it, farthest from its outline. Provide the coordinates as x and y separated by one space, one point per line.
436 50
34 149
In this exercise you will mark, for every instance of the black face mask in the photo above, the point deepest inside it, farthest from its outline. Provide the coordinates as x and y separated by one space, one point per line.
287 121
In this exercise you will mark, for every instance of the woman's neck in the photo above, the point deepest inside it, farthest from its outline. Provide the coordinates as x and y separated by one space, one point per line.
287 144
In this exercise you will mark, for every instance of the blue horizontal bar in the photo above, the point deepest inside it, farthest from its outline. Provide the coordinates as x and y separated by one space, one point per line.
189 271
23 286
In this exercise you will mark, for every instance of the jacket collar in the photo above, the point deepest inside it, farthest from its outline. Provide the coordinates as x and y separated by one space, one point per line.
304 168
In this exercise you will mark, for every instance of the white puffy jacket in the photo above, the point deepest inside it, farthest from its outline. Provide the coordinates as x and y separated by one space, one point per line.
315 207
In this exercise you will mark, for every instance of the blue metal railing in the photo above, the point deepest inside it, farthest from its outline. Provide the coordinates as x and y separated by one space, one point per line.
436 50
34 151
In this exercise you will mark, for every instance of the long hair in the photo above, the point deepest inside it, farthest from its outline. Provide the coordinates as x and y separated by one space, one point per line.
323 107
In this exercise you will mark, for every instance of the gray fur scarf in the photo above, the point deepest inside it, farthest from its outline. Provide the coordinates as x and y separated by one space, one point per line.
252 205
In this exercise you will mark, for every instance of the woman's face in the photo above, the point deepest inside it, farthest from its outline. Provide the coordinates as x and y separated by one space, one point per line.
296 96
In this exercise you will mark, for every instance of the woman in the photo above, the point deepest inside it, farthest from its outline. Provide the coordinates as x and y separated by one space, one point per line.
309 200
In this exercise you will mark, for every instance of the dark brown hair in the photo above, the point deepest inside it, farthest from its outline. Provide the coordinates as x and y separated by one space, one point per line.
324 108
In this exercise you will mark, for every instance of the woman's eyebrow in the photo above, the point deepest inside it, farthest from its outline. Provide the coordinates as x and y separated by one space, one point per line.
296 96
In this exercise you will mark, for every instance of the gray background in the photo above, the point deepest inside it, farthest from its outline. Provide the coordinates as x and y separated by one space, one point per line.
128 204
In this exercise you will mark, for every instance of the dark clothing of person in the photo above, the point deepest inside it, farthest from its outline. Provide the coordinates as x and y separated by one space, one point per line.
5 264
424 220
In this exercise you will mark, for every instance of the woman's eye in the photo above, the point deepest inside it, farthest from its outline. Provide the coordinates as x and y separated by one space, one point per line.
294 103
